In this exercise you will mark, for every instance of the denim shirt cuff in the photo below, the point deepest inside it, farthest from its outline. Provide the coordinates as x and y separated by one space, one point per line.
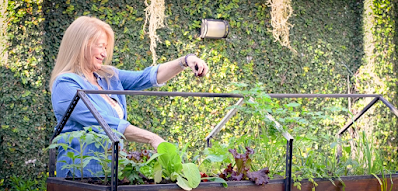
153 76
123 124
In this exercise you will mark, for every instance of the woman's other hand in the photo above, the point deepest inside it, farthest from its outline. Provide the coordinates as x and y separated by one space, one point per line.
133 133
156 140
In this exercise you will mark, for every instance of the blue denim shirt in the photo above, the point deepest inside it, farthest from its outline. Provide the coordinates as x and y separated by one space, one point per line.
64 89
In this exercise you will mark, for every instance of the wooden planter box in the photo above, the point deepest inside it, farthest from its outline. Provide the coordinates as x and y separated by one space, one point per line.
353 183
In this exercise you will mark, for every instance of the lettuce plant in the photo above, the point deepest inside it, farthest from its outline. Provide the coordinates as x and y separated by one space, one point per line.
242 170
169 165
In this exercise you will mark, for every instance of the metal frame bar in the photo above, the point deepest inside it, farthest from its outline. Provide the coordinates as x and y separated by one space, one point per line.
158 93
389 105
98 116
81 94
367 107
223 122
289 158
58 130
108 131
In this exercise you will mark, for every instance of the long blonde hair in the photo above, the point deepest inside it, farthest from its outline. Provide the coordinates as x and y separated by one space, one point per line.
76 42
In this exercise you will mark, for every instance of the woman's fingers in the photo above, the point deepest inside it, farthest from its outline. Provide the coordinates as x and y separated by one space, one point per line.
204 72
198 66
156 140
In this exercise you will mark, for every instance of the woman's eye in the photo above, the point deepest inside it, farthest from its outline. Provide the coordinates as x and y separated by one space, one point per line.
101 46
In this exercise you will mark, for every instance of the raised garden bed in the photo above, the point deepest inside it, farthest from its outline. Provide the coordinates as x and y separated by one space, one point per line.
363 183
353 183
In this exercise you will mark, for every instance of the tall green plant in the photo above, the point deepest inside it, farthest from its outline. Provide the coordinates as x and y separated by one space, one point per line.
103 143
84 138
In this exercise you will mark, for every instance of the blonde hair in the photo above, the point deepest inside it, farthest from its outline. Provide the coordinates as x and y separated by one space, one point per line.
76 41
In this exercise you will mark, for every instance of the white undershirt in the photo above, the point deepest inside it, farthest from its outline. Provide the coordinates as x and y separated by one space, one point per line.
114 104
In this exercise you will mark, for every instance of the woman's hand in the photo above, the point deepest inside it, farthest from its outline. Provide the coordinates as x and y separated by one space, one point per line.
156 140
198 66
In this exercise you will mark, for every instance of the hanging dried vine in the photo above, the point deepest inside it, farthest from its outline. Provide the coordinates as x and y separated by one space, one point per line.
281 10
154 13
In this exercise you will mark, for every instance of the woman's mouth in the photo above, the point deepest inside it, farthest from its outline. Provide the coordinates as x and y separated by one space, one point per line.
100 59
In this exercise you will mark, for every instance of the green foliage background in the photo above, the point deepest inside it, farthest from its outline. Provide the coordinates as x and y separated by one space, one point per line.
327 35
378 73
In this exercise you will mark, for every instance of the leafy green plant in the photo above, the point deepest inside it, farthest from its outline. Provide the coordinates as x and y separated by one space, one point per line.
132 164
383 182
129 163
315 151
170 166
271 118
103 143
269 152
79 160
86 137
215 157
20 183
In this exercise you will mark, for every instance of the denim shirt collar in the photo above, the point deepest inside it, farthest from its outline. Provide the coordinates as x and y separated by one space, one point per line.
97 75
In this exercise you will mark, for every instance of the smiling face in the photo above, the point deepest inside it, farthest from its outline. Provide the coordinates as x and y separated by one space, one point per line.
96 53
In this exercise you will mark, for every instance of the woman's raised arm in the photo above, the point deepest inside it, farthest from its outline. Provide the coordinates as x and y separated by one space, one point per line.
170 69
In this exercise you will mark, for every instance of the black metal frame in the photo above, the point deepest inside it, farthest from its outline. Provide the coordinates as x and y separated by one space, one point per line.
366 108
82 94
286 135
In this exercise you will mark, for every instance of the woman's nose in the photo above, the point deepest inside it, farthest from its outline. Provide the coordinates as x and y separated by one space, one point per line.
103 54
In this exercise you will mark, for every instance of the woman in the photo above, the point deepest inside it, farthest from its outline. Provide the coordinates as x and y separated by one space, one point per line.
83 63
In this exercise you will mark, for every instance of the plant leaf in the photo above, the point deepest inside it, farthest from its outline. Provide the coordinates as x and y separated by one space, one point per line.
157 172
166 147
215 158
191 172
85 162
174 175
154 156
176 163
216 179
292 104
146 171
170 160
259 177
70 155
183 183
89 139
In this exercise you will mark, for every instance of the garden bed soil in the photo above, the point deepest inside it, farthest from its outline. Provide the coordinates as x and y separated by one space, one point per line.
353 183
